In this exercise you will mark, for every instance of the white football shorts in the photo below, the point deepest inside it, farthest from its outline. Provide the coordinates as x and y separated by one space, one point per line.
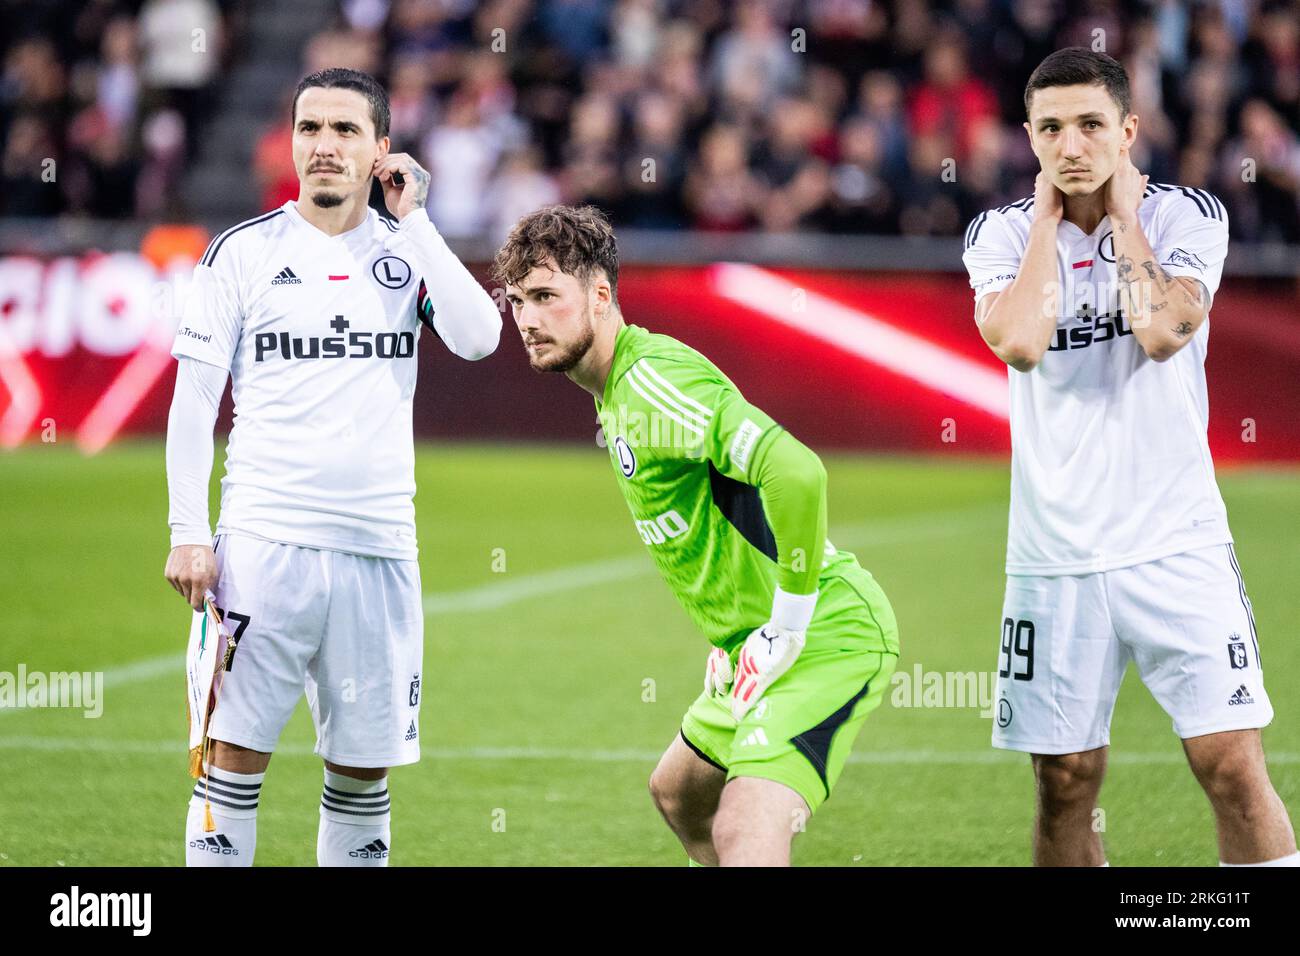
346 628
1066 641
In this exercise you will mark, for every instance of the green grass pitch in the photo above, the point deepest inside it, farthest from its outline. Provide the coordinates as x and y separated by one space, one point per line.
550 686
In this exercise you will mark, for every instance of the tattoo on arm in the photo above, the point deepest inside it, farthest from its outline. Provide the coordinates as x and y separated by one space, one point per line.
1158 275
422 180
1183 329
1126 282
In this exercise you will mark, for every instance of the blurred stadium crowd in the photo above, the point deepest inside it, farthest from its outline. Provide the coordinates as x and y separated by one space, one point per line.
780 115
113 93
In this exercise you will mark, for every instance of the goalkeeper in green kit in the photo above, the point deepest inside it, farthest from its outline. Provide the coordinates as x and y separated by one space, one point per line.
733 510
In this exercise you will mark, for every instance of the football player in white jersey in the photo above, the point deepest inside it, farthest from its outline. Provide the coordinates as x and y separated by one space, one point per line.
1096 292
313 312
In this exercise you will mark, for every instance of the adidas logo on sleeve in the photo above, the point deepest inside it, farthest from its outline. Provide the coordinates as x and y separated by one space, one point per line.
286 277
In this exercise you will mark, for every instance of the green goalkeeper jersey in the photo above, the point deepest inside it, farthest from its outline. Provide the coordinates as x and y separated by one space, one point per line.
729 503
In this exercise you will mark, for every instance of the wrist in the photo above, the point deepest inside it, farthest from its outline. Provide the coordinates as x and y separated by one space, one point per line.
187 536
793 612
414 219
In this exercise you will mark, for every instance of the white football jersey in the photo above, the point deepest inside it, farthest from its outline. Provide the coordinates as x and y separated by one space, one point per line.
1110 465
319 334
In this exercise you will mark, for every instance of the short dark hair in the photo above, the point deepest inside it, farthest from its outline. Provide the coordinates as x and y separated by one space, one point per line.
336 77
579 239
1078 65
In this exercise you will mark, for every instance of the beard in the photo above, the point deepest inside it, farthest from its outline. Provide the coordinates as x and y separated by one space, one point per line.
562 360
326 200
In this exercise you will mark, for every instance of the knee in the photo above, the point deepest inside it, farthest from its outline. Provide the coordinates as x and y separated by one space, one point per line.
667 798
1069 781
369 774
237 759
674 803
727 832
1230 781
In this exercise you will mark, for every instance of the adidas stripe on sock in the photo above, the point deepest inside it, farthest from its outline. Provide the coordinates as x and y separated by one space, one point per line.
233 798
230 791
355 820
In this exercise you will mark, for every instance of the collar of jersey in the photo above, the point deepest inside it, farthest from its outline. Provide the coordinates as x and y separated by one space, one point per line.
1079 230
621 346
291 210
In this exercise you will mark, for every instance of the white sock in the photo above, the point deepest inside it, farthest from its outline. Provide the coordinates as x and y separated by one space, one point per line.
1292 859
233 797
354 822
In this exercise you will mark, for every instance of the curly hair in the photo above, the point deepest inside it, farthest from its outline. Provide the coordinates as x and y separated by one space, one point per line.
578 239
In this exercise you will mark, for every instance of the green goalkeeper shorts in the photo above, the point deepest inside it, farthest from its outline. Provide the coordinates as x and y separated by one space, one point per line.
802 730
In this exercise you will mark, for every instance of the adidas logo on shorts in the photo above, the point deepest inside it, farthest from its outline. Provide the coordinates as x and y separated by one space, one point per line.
1240 696
411 731
218 844
286 277
756 736
371 851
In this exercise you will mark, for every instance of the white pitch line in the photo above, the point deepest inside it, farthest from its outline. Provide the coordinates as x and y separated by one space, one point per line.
176 748
499 594
146 669
927 525
492 597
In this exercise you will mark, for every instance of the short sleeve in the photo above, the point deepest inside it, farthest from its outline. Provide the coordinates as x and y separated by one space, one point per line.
992 256
213 316
1192 236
